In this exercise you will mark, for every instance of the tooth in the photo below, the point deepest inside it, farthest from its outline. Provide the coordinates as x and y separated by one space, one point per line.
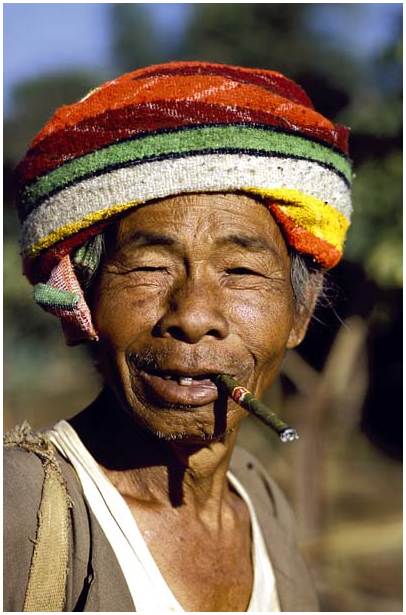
185 381
167 378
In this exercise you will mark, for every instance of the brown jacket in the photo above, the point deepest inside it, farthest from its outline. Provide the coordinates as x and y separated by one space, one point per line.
95 581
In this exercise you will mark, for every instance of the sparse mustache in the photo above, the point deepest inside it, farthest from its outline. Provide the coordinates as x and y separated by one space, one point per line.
205 359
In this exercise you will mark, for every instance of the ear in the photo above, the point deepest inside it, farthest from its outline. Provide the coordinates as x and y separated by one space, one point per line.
304 310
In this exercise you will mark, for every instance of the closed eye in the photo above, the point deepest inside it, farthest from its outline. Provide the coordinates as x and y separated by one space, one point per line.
242 271
148 268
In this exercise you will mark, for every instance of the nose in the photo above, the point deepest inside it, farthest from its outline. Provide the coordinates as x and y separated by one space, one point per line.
194 312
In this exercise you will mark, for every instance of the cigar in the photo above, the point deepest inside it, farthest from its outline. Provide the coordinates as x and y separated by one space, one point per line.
244 398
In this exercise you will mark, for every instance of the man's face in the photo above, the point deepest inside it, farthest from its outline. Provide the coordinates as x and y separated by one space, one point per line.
193 286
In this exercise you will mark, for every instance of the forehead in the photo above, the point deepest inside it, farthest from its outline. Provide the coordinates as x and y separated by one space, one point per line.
203 217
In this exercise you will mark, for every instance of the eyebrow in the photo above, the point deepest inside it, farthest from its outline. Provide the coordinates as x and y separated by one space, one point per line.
146 238
258 244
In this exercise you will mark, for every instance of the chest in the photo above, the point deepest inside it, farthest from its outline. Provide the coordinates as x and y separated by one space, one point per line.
205 570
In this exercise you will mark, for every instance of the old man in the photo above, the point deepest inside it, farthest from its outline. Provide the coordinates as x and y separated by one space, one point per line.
178 220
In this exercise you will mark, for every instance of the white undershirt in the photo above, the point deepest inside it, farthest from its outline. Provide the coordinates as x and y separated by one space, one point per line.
147 586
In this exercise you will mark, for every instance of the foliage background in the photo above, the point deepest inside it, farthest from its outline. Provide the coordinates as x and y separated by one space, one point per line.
350 515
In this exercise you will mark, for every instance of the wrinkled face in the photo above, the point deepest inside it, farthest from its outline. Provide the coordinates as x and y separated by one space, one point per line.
193 286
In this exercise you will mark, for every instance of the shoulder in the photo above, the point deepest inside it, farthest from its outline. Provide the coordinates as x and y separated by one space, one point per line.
22 479
268 498
26 455
23 473
295 586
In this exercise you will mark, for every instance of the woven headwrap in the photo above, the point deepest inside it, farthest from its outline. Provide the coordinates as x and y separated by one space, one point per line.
176 128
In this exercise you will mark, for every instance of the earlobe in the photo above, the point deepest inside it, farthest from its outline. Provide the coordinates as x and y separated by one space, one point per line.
299 328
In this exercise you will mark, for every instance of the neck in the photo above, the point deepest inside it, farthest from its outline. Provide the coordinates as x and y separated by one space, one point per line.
151 471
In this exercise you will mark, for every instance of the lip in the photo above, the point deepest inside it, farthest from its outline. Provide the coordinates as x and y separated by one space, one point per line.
199 393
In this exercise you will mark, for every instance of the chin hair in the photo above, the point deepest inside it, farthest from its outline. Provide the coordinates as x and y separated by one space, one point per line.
170 437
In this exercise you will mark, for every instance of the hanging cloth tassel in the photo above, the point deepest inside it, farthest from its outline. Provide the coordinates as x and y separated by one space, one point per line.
62 296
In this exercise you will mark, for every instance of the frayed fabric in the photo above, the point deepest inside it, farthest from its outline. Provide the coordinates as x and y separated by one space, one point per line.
63 297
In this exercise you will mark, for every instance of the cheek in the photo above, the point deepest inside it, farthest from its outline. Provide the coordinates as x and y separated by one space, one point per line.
121 311
264 322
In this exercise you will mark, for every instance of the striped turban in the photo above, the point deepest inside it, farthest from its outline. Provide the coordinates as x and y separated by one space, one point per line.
176 128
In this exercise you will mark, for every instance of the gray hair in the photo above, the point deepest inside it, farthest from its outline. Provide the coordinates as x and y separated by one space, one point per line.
304 275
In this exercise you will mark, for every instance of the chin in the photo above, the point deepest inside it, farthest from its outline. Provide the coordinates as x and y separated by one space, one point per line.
184 424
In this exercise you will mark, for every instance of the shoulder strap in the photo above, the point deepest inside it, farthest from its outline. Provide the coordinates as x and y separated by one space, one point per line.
46 586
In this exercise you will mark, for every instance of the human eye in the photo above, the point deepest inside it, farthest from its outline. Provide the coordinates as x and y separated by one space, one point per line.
244 277
140 270
240 271
149 268
143 262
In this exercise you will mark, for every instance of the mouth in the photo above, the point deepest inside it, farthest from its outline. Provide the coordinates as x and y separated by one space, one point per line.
183 388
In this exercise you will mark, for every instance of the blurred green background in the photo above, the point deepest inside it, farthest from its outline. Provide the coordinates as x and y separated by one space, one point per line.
343 387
